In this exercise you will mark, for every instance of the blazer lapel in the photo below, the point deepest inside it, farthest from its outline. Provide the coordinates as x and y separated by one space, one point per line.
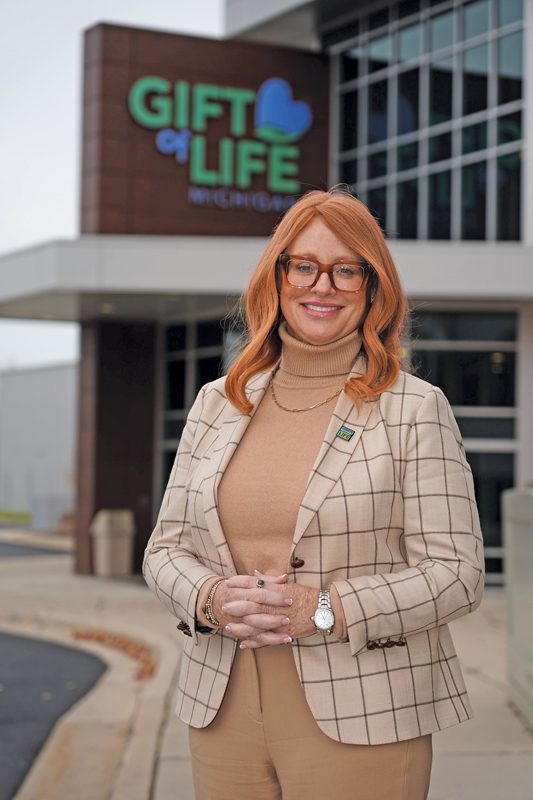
333 455
232 430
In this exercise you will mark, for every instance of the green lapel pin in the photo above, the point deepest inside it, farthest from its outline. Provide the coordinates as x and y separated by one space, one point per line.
345 433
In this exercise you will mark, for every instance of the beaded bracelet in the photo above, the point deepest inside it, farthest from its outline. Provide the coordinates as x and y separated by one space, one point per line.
208 608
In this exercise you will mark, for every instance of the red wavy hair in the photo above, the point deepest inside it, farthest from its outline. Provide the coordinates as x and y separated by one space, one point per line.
384 319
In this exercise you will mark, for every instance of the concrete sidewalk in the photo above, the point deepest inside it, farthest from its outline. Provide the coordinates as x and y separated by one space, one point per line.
122 741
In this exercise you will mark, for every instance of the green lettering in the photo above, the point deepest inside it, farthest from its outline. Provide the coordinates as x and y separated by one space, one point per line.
158 112
282 163
181 104
226 150
238 99
199 172
250 161
203 106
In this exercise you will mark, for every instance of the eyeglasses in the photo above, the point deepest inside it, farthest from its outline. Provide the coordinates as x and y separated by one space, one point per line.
303 273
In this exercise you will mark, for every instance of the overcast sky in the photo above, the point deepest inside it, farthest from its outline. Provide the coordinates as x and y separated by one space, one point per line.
40 134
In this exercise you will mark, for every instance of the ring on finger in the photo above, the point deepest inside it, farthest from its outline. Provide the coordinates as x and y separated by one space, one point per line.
260 583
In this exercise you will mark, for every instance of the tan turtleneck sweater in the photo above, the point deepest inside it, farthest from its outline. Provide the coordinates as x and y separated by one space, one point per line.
263 485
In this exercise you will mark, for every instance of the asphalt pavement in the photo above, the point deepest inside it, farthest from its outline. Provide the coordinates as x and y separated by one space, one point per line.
40 681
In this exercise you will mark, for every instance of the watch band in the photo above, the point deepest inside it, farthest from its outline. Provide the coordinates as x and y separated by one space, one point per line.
324 601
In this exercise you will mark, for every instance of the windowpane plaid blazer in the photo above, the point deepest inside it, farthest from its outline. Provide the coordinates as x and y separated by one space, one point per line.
388 515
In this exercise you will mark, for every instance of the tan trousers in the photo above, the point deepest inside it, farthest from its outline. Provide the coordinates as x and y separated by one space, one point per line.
264 744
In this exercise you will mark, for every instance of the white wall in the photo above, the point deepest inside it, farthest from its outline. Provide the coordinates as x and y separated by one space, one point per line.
38 422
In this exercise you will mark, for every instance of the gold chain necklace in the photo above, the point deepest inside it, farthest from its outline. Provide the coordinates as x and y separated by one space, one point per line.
296 410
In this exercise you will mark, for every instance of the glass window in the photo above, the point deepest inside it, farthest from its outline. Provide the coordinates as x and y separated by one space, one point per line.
172 428
409 42
475 137
508 197
350 61
348 171
439 205
233 344
377 164
175 337
377 204
441 31
510 68
440 91
209 333
509 127
407 156
377 111
175 385
407 209
342 34
470 378
473 199
509 11
493 473
378 19
408 101
408 7
475 80
168 463
477 326
207 369
475 18
348 120
379 53
440 147
486 427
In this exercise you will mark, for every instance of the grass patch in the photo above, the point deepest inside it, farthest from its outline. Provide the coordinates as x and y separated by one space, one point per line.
14 517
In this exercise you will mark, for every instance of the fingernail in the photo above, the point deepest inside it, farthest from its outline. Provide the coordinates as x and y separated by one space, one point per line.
287 640
227 628
242 646
224 609
288 601
283 576
226 580
256 570
285 621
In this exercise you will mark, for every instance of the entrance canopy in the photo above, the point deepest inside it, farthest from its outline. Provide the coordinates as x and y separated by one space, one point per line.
126 277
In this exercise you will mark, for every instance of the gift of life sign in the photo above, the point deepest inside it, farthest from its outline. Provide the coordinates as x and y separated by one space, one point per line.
180 114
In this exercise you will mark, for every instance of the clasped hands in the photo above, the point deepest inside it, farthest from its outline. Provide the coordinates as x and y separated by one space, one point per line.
276 613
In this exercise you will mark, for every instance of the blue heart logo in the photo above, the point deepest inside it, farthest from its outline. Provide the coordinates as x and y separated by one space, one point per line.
279 118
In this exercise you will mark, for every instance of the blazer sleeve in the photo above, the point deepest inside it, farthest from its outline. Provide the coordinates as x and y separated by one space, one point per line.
170 565
441 540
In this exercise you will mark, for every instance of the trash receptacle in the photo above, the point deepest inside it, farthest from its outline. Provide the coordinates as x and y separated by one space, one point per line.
113 531
517 508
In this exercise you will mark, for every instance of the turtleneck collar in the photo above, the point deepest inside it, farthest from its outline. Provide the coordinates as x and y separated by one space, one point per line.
318 360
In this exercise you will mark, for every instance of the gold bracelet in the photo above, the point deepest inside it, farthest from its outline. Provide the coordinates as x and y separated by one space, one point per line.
208 608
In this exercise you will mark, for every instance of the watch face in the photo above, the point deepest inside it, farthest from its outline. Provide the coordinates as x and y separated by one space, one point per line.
324 618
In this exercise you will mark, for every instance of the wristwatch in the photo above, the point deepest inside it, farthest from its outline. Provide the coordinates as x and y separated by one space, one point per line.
324 618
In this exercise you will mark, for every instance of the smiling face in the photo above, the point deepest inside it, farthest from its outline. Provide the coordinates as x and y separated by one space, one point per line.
346 309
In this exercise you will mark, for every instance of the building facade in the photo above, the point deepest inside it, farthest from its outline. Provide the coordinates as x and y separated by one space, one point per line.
38 427
422 107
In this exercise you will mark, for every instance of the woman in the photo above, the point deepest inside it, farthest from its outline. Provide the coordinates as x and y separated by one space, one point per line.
321 516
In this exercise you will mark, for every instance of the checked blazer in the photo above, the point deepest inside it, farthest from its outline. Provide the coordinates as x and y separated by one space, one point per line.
389 516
